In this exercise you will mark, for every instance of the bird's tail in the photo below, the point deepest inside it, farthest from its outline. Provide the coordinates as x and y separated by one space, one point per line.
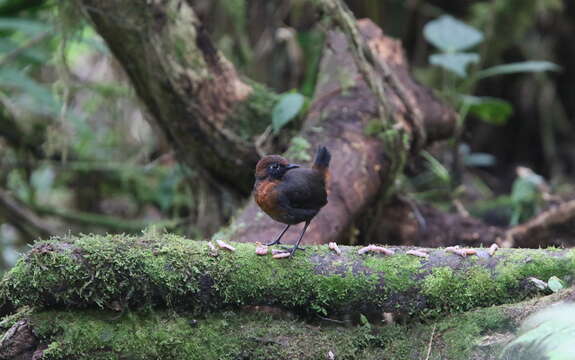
322 158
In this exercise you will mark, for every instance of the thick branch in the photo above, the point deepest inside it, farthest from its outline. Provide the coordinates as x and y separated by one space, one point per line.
116 272
192 92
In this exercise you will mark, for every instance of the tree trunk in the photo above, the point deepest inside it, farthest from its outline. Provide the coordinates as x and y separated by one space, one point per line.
193 93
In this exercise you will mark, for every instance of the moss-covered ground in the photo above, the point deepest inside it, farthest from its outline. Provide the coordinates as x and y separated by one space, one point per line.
93 334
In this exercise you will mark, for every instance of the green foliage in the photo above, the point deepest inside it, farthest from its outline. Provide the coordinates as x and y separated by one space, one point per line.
521 67
299 149
555 284
491 110
548 334
452 36
287 108
525 196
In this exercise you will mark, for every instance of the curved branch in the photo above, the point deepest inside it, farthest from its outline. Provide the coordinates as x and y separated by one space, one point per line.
192 92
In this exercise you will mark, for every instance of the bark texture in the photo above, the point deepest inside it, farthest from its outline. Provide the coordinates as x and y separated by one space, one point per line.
192 92
344 118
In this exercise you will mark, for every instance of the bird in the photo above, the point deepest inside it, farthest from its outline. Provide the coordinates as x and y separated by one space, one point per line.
289 193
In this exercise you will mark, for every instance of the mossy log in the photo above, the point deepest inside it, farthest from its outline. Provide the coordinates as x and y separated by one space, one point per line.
164 271
259 334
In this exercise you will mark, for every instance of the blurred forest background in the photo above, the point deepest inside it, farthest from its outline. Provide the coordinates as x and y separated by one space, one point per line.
77 154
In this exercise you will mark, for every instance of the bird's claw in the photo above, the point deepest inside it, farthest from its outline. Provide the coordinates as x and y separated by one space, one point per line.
292 249
275 242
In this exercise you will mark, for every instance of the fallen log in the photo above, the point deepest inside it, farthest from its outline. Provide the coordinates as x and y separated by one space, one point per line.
260 333
157 271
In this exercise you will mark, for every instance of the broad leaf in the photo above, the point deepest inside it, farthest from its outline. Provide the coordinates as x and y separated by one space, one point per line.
555 284
451 35
489 109
285 110
520 67
454 62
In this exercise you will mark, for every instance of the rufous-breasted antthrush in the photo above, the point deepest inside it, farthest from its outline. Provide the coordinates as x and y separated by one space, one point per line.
289 193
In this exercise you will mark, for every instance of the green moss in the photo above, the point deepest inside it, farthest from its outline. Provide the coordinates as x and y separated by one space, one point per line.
461 334
89 334
299 149
252 116
165 335
399 270
294 284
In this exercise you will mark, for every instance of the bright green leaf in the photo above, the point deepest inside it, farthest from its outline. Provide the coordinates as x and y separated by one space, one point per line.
436 167
451 35
454 62
489 109
520 67
555 284
285 110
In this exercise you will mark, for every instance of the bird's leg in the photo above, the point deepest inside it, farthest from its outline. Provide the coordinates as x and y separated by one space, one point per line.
299 240
277 240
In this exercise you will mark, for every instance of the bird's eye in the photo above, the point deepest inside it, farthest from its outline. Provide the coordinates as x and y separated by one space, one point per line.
274 166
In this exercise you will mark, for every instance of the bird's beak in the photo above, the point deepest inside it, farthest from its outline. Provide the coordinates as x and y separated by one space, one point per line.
292 166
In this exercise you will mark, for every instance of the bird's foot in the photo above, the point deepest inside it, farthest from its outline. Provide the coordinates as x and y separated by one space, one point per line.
293 249
275 242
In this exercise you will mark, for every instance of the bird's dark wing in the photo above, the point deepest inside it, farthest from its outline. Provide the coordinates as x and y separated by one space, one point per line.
303 189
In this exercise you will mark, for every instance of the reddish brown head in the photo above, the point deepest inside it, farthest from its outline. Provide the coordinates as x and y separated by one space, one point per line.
273 167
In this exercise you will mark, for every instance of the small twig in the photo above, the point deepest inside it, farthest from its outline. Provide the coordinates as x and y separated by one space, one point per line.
375 249
460 208
261 140
23 217
430 342
333 246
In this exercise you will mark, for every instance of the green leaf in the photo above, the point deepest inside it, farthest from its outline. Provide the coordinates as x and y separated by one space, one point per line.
555 284
454 62
437 168
479 159
38 98
23 25
451 35
520 67
489 109
285 110
523 191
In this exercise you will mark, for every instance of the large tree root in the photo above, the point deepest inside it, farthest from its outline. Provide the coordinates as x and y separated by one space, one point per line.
553 227
344 117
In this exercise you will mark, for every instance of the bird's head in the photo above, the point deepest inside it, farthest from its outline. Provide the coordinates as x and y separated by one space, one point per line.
273 167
